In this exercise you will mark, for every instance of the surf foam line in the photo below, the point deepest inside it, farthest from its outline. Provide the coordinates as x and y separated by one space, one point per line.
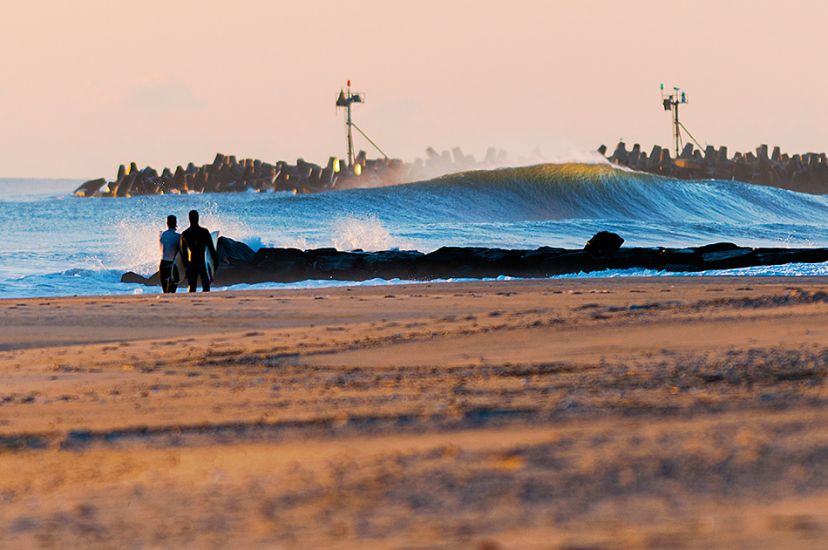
106 282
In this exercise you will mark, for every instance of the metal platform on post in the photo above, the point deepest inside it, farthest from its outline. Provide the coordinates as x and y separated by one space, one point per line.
344 100
671 102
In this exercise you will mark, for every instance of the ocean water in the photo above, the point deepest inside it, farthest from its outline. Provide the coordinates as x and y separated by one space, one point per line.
57 244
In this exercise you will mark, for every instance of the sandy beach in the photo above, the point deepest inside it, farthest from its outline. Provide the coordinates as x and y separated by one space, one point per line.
589 413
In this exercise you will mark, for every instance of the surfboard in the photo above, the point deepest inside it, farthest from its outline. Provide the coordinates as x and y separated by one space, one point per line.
208 258
178 270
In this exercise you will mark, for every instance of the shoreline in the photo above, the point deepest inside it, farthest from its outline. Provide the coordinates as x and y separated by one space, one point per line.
325 284
623 411
92 304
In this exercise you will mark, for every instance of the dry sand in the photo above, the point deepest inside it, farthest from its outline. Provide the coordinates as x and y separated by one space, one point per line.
527 414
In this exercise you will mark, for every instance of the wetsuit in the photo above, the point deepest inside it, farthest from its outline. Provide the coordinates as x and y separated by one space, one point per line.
193 241
170 242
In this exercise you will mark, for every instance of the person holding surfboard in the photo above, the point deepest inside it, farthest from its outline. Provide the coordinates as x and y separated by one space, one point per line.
199 254
170 242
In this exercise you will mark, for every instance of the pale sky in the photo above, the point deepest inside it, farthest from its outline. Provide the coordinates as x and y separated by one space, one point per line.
88 85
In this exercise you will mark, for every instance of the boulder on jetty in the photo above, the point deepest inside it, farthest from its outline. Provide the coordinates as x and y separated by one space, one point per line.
603 243
239 264
226 174
806 173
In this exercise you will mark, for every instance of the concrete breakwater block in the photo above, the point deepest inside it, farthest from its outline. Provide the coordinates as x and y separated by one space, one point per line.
227 174
805 173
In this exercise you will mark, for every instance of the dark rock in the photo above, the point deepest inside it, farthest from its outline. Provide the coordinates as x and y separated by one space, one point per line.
241 265
132 277
726 259
603 243
234 252
717 247
283 264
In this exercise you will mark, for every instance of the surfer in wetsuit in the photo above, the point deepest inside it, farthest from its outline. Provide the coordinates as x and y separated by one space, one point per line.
170 242
194 240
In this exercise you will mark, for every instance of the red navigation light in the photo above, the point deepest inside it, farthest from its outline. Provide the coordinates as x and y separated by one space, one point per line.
349 83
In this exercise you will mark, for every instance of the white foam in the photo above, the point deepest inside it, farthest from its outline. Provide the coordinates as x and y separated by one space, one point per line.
366 233
137 247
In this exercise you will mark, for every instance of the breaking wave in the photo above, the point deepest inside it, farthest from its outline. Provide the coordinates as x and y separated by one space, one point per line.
591 191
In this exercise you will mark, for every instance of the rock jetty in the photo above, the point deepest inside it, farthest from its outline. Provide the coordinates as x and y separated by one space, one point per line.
806 173
227 174
240 264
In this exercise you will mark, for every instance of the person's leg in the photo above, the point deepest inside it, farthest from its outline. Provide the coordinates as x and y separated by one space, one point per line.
205 280
192 279
164 273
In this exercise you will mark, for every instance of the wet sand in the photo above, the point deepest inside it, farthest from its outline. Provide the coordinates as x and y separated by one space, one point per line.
686 412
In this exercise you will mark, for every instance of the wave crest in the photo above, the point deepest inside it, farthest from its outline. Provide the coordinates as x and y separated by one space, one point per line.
595 191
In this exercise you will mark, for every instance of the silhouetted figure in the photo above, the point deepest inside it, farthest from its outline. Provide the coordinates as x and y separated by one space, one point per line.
194 240
170 242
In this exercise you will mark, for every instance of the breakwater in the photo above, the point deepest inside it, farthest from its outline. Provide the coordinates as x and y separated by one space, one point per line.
228 174
805 173
239 264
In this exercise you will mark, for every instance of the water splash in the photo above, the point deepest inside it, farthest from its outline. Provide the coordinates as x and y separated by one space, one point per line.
137 235
136 245
368 233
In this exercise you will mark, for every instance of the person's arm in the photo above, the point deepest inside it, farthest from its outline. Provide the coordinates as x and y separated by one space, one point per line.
185 256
